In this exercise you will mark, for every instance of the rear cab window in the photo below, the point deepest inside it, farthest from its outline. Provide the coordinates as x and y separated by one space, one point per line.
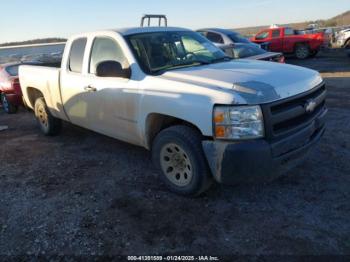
289 31
76 55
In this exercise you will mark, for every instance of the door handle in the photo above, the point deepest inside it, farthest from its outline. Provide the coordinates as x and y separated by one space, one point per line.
90 88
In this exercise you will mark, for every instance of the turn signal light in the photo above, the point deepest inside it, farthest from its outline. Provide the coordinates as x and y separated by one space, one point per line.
220 131
219 117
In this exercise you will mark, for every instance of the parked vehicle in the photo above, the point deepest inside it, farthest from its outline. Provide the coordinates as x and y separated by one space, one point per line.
289 41
220 36
343 38
172 91
10 90
243 51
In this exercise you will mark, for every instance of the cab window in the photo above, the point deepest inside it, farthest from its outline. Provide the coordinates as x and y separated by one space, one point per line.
289 31
105 49
76 56
275 33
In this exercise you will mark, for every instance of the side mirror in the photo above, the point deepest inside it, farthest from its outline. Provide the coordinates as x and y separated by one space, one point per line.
112 69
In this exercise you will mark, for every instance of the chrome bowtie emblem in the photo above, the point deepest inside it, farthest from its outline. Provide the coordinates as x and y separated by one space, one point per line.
310 106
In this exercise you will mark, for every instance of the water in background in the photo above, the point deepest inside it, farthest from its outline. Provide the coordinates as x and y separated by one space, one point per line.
18 53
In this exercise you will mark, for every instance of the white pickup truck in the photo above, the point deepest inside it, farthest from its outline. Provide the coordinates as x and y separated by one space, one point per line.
204 116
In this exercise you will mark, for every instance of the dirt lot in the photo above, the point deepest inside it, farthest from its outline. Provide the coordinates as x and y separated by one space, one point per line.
82 193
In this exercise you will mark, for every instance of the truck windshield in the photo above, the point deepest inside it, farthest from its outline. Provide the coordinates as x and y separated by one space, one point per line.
162 51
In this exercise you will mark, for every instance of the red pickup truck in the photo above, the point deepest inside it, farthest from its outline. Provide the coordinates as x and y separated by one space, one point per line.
290 41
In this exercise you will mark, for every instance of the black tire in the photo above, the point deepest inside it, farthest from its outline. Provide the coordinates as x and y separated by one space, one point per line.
189 141
302 51
7 106
49 125
347 44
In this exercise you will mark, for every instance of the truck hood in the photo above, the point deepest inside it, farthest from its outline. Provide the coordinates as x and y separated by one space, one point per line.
253 82
263 56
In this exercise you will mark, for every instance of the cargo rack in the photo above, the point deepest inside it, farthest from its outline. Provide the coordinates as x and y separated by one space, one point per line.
150 17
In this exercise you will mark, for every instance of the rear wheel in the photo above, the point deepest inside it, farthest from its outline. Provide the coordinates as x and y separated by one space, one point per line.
49 125
178 154
302 51
7 106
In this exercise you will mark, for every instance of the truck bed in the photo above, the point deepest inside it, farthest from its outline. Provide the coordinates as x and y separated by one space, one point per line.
45 79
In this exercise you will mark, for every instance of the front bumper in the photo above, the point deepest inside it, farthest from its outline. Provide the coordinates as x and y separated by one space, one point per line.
259 160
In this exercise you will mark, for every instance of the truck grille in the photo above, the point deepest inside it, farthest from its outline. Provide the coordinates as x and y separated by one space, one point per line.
285 117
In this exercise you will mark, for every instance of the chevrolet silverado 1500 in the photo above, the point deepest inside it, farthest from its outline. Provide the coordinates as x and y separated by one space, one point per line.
204 116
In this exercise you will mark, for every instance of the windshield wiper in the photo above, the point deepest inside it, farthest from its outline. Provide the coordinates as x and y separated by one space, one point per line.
177 66
221 59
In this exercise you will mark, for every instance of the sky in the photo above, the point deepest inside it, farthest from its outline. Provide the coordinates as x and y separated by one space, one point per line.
31 19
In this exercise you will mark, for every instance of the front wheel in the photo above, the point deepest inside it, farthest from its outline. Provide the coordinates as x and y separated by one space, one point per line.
49 125
302 51
347 44
7 106
178 154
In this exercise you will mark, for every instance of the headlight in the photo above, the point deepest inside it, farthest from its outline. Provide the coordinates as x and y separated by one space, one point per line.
238 122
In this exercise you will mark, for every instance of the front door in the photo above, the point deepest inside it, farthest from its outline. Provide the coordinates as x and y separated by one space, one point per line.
114 100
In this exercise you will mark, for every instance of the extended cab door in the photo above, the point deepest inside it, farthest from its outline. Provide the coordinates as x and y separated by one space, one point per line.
289 40
276 42
74 83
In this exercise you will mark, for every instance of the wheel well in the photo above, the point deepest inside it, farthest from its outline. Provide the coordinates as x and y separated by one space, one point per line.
347 42
301 43
33 95
155 123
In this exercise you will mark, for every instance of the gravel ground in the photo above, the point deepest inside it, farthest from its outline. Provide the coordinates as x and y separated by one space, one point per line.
85 194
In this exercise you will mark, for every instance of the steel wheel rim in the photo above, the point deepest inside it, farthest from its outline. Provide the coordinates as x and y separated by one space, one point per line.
302 52
176 165
42 116
5 103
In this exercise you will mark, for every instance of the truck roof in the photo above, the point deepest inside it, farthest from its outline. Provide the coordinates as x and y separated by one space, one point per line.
133 30
219 30
140 30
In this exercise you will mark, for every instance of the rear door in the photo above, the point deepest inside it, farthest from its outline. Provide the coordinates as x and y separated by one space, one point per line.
74 84
289 40
276 42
